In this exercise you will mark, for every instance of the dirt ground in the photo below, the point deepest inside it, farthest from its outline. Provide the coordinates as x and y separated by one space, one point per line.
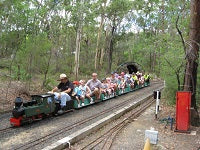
10 90
132 137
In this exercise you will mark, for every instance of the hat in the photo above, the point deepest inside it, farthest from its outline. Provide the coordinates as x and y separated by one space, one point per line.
112 72
62 76
107 78
76 82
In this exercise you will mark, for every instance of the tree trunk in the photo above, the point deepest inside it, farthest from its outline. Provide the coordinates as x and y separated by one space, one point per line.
110 50
77 53
78 39
150 61
163 16
106 45
102 56
18 72
47 70
178 81
99 51
192 58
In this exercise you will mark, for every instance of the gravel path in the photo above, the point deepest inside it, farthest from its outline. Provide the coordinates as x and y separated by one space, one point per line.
22 135
132 136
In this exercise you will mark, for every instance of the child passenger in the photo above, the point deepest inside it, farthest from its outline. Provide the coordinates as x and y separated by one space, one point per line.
121 83
111 87
77 93
85 90
141 79
104 86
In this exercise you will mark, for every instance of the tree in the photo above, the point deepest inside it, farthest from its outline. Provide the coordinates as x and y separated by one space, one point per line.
99 52
192 56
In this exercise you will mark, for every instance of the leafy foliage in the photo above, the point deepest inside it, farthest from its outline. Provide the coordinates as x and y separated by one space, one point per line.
39 37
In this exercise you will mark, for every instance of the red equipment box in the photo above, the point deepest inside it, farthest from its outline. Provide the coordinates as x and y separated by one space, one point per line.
183 103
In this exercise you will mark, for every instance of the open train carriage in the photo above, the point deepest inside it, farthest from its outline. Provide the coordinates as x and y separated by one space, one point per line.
129 67
132 67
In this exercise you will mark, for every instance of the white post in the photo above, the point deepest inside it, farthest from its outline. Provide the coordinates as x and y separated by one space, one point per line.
157 103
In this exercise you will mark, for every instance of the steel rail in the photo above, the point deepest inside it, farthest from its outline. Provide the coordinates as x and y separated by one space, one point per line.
5 129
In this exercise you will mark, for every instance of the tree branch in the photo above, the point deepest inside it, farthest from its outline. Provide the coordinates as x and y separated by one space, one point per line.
180 33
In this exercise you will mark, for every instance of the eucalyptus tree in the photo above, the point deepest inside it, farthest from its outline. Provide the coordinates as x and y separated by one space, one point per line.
115 13
192 56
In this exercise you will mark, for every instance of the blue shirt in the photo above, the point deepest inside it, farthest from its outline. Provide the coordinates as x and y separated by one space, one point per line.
78 91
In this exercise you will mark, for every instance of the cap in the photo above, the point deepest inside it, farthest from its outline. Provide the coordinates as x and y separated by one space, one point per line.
62 76
76 82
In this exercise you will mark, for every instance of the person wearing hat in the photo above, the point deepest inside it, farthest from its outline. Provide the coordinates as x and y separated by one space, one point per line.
129 81
77 94
63 91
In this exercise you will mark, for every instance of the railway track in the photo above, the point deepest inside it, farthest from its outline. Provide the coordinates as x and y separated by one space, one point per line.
6 129
40 140
105 140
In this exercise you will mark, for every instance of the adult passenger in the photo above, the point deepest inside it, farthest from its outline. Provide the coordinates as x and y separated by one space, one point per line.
114 81
63 91
135 79
129 81
126 75
122 75
146 78
95 86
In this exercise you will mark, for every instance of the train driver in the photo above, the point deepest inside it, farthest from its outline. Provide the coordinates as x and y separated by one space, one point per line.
63 91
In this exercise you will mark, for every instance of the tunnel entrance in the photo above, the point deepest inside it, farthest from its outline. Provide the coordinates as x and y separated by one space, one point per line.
129 67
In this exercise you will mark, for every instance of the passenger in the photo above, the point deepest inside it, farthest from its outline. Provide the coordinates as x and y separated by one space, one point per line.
135 79
121 83
129 81
110 87
104 87
126 76
85 91
138 74
141 79
122 75
146 78
116 75
63 91
114 81
95 86
77 94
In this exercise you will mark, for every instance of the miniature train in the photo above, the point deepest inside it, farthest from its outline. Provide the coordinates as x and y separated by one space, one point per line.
44 105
